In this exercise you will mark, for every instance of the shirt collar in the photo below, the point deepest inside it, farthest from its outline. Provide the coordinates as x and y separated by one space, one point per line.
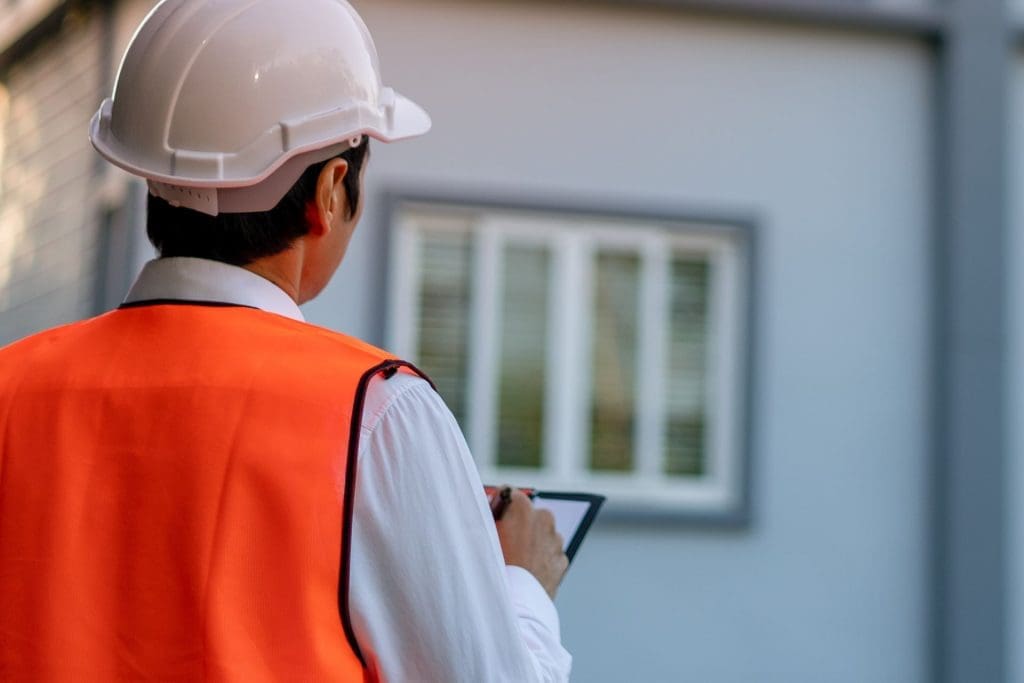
195 279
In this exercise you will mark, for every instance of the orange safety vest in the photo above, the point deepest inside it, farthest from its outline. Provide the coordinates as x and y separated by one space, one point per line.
176 490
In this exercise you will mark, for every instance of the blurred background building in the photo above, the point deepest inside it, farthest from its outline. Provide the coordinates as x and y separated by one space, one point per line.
750 267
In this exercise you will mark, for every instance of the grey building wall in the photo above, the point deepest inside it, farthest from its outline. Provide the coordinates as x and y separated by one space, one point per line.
824 138
1015 265
49 221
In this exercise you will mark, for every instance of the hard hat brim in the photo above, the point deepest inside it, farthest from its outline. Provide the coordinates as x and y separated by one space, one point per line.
406 119
410 121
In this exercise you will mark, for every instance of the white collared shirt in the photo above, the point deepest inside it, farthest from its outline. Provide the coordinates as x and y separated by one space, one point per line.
430 598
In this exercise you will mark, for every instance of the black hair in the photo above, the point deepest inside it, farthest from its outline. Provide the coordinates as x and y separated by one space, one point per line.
241 238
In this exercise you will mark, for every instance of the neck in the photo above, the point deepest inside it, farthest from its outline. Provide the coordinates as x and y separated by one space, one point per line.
283 269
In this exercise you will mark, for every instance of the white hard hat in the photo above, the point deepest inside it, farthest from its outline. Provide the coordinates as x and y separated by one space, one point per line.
222 104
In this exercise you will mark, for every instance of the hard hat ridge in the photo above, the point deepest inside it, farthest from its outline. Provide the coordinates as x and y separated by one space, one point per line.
218 96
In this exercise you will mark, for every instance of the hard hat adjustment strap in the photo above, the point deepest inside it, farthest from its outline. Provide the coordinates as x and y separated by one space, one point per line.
202 199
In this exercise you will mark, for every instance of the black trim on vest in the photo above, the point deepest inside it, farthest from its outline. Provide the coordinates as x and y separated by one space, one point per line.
181 302
388 369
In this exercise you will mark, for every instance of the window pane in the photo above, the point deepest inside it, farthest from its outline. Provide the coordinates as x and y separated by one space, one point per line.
444 314
687 372
613 411
523 341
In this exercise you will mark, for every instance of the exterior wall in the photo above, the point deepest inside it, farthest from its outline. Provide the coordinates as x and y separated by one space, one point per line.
18 16
1015 492
902 4
49 223
824 139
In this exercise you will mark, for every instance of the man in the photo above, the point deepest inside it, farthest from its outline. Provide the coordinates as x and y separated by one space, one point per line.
200 485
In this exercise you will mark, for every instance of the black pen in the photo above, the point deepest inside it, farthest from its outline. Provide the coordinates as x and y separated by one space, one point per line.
500 501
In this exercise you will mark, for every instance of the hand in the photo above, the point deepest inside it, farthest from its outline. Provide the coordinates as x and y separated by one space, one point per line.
529 540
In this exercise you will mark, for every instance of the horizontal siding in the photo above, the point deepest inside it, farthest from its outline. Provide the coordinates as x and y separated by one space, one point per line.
43 310
57 173
49 214
52 269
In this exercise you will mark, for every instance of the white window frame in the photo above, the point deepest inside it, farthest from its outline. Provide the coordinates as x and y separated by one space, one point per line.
574 240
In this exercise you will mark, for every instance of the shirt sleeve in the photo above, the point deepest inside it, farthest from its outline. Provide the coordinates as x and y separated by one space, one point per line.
430 596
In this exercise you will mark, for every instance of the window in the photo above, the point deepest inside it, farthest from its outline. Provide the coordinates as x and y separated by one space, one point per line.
582 351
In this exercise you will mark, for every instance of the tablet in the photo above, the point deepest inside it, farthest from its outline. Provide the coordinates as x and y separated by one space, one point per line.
574 513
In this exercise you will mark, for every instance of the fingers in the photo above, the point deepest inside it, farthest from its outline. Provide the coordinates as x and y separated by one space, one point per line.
530 539
545 519
520 498
499 501
545 522
518 508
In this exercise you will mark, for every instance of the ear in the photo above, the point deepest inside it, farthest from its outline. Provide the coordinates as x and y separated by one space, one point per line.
331 200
